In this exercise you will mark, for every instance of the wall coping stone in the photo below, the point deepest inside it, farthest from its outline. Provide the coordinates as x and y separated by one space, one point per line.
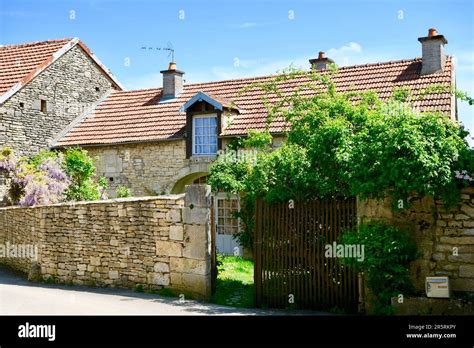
169 197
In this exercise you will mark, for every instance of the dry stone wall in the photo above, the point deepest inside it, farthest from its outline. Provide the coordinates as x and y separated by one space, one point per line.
154 242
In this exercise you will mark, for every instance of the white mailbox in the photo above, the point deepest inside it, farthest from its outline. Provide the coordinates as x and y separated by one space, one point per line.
437 287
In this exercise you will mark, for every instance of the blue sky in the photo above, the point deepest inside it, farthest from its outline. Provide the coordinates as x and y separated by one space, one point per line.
229 39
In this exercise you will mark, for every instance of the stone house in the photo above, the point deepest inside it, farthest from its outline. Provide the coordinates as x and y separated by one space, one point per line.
156 141
43 87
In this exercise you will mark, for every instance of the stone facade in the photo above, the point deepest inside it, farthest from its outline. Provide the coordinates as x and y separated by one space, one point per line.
148 168
445 238
152 168
155 242
68 87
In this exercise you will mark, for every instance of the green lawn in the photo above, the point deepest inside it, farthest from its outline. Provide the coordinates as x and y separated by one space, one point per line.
234 286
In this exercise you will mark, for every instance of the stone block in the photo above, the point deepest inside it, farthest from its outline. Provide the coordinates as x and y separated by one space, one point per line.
113 274
161 267
457 240
173 215
466 271
183 265
158 278
166 248
95 261
461 217
176 232
467 258
199 216
468 210
197 245
462 284
197 196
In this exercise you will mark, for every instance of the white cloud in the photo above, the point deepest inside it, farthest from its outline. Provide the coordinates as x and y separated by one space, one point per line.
352 47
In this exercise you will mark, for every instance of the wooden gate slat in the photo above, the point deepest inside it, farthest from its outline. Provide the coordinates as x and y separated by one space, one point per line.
289 254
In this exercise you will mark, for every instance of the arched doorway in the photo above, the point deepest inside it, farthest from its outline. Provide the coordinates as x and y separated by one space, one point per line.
193 178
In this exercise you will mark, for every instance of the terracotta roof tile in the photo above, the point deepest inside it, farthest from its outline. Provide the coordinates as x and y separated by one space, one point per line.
19 64
18 61
136 116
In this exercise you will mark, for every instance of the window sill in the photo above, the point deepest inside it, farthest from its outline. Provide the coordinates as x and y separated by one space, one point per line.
203 158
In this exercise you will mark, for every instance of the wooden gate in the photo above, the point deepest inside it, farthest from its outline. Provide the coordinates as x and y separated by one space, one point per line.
291 270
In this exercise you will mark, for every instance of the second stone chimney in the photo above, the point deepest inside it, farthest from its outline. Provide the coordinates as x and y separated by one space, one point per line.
172 81
320 63
433 56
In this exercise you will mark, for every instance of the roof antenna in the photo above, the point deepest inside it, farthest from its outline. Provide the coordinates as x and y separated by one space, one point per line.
169 47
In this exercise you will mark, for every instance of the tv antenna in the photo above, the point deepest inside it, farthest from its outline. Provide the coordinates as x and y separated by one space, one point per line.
169 48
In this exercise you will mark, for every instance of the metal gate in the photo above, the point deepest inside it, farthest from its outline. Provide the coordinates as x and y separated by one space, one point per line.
291 269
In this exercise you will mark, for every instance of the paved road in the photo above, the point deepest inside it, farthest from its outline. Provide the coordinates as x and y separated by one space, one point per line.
20 297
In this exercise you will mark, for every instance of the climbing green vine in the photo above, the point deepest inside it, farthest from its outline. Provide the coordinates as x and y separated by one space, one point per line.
343 144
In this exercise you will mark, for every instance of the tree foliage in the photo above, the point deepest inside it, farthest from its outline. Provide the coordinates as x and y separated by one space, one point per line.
341 144
351 143
51 177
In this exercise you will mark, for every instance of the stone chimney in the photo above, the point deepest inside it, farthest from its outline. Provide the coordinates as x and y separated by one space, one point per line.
172 81
433 57
320 63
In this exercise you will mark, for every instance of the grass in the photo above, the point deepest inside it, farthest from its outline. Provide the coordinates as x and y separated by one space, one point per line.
234 285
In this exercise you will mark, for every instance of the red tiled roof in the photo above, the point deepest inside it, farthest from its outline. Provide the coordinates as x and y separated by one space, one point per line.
19 64
137 116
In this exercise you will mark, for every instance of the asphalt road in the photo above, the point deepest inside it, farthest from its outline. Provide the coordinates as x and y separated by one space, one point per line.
20 297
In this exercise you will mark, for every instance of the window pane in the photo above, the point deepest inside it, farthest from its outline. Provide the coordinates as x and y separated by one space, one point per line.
205 135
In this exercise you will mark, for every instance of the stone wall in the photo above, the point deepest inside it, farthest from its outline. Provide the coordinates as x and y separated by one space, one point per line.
69 86
155 242
445 238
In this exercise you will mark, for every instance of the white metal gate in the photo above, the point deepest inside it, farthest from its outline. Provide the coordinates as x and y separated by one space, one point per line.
227 224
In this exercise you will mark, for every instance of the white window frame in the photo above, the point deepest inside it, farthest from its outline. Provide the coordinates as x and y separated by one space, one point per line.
194 135
225 196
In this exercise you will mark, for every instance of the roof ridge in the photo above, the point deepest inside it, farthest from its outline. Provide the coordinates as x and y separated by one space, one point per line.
140 90
32 43
261 77
406 60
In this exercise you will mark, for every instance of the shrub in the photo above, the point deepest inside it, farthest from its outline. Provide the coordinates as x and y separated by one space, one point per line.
51 177
38 180
123 192
388 252
81 169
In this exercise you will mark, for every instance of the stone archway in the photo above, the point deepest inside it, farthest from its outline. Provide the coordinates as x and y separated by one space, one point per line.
187 180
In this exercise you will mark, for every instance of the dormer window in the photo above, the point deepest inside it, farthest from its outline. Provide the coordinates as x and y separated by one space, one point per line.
204 114
205 134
